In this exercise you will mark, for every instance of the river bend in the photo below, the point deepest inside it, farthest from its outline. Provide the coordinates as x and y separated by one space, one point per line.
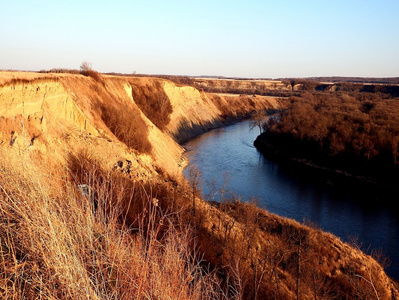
228 152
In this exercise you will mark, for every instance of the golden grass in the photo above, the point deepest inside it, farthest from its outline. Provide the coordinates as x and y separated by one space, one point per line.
56 244
153 101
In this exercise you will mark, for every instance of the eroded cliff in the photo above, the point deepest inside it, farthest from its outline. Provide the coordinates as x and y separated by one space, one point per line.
53 107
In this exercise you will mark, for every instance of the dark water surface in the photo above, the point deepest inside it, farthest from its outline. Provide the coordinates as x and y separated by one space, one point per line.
345 213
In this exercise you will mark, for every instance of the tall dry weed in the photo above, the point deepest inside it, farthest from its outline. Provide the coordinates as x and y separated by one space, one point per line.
126 123
153 101
56 243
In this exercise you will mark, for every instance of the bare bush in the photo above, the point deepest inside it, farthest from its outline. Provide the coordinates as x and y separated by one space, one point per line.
87 70
153 101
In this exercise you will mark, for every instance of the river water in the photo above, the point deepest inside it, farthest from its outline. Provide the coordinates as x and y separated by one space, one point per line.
226 157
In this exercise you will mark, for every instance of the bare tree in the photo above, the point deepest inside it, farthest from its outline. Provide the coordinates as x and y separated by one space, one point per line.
86 67
194 179
258 120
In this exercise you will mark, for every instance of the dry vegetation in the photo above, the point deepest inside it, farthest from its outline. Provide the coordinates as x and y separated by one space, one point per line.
288 260
90 229
61 242
95 234
120 115
87 70
153 102
126 124
353 131
243 106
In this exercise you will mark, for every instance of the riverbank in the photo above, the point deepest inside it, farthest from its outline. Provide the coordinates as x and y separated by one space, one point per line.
324 173
347 211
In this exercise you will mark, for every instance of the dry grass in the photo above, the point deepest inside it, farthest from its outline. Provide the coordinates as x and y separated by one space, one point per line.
87 70
126 124
132 240
19 128
237 107
57 243
9 78
153 101
108 104
288 260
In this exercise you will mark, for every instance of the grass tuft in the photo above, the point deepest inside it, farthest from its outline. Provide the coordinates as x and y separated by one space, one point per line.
57 243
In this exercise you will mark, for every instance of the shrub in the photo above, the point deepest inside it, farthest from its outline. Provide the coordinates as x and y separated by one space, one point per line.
128 126
351 127
87 70
153 101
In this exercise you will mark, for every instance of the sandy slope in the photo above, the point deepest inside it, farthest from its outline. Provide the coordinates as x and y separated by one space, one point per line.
53 107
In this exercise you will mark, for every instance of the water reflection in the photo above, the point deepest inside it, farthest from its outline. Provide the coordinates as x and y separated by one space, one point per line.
346 213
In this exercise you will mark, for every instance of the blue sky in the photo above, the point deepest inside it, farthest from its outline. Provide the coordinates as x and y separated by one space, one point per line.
267 39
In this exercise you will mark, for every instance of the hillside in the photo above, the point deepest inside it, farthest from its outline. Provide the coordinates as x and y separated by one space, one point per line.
94 204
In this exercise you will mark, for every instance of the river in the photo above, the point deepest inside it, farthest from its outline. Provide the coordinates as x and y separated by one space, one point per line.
228 153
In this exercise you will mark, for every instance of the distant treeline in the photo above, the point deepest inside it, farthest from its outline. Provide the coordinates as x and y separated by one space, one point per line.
336 79
297 86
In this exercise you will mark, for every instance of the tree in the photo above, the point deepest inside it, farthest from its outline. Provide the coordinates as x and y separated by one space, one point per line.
86 67
194 180
258 120
87 70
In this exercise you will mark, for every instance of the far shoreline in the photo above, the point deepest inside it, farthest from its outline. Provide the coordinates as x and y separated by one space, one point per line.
317 172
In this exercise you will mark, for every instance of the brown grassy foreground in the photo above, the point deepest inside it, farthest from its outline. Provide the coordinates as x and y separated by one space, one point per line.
56 243
121 239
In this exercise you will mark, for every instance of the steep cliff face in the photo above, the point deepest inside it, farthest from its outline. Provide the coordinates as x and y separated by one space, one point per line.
40 110
53 116
190 108
38 116
43 100
242 85
195 112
